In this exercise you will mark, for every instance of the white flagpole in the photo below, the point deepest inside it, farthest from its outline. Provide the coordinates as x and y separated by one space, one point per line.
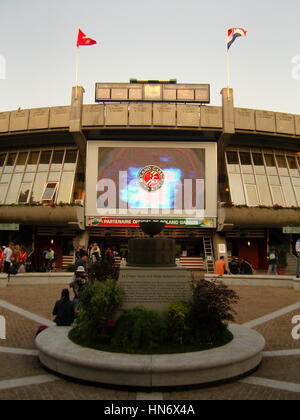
77 70
228 68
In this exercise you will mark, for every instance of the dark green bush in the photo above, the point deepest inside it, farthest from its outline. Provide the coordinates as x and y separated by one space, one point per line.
211 309
140 330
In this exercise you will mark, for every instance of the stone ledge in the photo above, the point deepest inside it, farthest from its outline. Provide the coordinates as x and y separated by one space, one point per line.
238 358
35 279
290 282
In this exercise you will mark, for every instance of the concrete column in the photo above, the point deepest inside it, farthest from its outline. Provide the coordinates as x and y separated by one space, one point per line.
228 111
76 109
220 247
76 119
81 240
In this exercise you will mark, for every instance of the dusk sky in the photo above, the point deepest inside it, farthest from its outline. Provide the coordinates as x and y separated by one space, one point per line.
150 40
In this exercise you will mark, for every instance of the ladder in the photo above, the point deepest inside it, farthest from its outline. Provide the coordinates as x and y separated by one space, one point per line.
209 254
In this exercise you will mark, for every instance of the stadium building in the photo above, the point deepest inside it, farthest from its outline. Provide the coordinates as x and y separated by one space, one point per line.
225 180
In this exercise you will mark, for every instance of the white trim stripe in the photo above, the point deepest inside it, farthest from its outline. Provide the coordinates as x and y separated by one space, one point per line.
282 353
154 396
16 351
269 383
31 380
273 315
26 314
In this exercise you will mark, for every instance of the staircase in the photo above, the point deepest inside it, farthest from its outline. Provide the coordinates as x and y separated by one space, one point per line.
209 254
291 265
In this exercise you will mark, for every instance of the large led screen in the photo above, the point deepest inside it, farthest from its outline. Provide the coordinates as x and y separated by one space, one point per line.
151 181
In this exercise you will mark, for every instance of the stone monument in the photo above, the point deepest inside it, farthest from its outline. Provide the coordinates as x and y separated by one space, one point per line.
152 278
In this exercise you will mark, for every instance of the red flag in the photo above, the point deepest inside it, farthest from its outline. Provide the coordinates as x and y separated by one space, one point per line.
84 40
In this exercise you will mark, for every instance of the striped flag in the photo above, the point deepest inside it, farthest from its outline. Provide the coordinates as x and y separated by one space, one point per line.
233 34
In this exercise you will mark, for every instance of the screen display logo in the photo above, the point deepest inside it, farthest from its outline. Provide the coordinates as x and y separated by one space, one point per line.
151 178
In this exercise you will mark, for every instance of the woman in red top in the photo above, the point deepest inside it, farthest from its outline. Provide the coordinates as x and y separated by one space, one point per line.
22 259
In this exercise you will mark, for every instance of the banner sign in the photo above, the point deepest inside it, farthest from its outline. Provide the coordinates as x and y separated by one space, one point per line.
9 226
133 223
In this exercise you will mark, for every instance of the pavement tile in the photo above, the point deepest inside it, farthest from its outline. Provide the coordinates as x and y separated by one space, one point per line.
254 303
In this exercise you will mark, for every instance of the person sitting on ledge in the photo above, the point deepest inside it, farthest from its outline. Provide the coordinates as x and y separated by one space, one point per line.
220 267
64 310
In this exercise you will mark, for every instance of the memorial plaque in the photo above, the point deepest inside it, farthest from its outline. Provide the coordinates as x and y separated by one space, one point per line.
119 94
140 114
297 124
164 114
116 114
104 94
93 115
188 115
154 288
39 119
4 122
152 92
244 119
185 95
202 94
285 123
169 94
59 117
135 93
265 121
211 116
19 120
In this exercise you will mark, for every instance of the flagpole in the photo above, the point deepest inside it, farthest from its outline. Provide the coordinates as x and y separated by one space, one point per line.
228 66
228 72
77 70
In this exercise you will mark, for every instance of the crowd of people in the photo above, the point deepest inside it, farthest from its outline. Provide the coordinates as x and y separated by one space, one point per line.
65 309
13 259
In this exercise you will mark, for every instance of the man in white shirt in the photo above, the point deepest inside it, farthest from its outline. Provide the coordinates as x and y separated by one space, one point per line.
8 252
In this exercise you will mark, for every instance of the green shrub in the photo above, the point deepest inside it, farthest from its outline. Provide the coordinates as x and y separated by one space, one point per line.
178 322
98 304
140 330
211 309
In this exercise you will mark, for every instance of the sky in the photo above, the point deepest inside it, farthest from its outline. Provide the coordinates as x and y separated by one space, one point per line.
157 39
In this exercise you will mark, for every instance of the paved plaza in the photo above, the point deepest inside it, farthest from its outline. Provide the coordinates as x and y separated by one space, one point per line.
267 310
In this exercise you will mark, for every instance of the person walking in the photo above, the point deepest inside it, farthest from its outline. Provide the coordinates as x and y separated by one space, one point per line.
220 267
8 253
273 262
64 311
22 260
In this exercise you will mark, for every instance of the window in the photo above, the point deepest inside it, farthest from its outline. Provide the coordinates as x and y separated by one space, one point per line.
232 158
21 161
32 161
24 192
2 160
10 162
246 163
49 191
257 159
245 158
57 160
275 179
45 161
